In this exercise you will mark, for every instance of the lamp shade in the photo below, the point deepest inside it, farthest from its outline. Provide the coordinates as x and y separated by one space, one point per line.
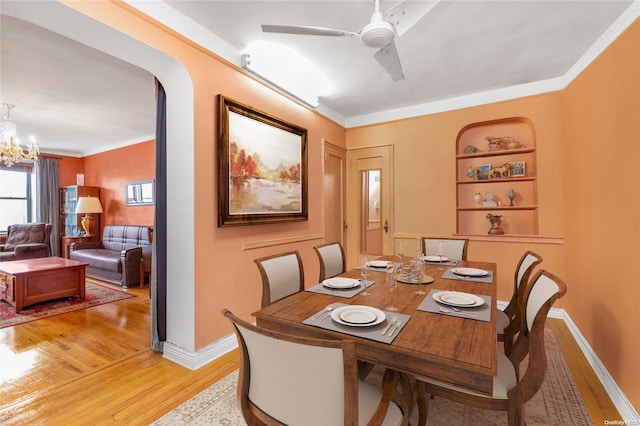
89 205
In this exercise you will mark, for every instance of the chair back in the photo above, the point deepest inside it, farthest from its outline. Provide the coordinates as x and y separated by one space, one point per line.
540 296
332 260
282 275
292 380
454 248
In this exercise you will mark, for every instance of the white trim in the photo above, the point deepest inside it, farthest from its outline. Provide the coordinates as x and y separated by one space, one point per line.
194 360
619 399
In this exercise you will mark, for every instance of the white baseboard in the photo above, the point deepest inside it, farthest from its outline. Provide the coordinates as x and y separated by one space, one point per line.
195 360
619 399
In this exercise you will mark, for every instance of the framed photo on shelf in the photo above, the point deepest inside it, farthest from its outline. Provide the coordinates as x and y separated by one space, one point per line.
262 167
517 169
482 171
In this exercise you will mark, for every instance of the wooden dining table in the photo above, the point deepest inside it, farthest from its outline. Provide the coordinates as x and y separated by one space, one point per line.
455 350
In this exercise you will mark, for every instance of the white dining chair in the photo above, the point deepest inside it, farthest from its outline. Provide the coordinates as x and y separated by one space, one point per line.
510 390
508 320
454 248
332 260
282 275
290 380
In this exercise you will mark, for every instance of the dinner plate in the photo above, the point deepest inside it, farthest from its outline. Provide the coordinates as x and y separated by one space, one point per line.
358 316
378 263
434 259
457 298
355 313
470 272
341 283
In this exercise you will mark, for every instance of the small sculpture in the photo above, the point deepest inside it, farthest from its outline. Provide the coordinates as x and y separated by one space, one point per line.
511 194
500 172
470 149
502 142
477 197
496 221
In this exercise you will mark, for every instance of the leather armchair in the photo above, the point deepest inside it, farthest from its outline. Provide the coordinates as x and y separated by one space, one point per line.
26 241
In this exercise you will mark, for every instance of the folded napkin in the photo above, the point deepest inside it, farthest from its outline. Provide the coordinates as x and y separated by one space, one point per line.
372 333
347 292
480 313
449 275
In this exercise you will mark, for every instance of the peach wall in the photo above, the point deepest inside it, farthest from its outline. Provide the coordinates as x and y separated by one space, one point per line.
110 170
602 201
425 175
225 275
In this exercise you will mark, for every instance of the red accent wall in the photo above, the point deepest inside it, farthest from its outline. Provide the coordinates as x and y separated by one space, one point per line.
109 171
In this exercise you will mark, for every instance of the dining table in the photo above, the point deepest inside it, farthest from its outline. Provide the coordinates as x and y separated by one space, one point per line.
436 340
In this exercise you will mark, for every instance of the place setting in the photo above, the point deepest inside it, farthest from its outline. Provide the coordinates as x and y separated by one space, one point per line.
469 274
341 286
456 303
360 320
438 260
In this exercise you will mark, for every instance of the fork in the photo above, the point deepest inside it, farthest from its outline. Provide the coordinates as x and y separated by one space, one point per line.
456 310
326 311
394 328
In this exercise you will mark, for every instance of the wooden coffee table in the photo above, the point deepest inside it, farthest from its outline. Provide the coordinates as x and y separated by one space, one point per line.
29 281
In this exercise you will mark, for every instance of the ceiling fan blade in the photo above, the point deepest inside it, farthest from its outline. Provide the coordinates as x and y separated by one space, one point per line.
405 14
303 30
390 61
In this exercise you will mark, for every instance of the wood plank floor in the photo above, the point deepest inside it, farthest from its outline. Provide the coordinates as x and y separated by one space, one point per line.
95 366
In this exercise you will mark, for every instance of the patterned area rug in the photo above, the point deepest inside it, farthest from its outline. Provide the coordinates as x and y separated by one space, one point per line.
558 402
94 295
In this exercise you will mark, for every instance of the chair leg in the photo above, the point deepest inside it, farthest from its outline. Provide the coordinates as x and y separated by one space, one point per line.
423 403
515 414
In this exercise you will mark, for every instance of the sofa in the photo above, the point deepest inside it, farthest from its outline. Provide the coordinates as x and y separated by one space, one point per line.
26 241
123 256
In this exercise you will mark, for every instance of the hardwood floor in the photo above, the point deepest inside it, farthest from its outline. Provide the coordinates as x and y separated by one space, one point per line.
95 366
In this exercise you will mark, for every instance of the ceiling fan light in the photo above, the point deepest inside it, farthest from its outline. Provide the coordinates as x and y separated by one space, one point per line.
377 34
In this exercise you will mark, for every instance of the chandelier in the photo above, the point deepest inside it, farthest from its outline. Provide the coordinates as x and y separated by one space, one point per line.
10 150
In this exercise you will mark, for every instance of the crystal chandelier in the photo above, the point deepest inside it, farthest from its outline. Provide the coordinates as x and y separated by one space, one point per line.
10 150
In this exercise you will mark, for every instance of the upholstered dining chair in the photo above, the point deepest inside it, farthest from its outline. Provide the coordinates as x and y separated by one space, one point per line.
510 390
454 248
508 321
282 275
332 261
290 380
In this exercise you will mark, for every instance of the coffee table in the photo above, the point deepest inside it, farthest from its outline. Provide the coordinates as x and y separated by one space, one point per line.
29 281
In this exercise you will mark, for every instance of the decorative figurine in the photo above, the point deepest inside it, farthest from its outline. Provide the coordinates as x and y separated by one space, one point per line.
477 197
470 172
496 221
511 194
470 149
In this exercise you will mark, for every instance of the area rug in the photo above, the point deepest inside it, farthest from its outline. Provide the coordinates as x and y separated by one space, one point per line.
558 402
95 294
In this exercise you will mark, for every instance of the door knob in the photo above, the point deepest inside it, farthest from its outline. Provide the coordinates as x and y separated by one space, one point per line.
386 226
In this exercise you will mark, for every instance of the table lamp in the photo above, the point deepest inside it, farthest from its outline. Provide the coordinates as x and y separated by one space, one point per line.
88 205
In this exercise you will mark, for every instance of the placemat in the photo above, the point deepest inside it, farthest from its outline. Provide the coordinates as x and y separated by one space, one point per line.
371 333
487 279
346 293
480 313
448 262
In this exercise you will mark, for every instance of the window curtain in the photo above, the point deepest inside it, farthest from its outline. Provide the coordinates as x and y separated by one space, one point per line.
159 262
48 198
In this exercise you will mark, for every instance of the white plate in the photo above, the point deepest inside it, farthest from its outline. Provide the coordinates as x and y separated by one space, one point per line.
470 272
434 259
336 315
340 283
378 263
358 316
456 298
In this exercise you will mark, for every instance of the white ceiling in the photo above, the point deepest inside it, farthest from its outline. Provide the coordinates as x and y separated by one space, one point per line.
78 100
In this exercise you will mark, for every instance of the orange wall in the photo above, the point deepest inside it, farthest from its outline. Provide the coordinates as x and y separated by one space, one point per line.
602 202
424 152
69 168
110 170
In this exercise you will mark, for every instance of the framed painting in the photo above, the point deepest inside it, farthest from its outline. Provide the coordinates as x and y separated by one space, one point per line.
517 169
482 171
262 167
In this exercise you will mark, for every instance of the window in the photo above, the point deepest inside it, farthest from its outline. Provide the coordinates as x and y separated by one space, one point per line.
17 197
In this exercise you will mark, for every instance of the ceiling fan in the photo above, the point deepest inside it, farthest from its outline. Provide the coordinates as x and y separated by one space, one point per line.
377 33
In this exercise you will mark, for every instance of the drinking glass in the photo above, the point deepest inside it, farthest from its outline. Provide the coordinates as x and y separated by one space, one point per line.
401 253
392 283
418 274
440 253
364 271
